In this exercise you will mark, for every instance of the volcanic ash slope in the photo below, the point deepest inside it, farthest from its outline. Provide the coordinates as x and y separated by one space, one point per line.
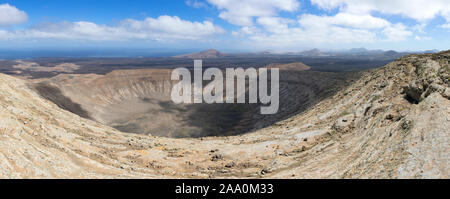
391 123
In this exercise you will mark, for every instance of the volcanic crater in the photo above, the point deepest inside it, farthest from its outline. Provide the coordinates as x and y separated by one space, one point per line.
138 101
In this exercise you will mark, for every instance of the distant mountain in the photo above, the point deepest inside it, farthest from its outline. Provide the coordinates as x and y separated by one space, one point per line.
211 53
313 52
391 53
266 52
358 50
431 51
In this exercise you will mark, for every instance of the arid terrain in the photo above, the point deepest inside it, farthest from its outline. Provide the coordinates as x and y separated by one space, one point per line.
388 122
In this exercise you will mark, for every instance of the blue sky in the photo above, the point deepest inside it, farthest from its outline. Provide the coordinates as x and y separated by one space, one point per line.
228 25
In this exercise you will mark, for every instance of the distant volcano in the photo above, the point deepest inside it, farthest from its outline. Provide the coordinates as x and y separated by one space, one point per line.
211 53
312 52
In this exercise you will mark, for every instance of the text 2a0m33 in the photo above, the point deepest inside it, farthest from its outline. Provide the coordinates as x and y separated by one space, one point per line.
225 189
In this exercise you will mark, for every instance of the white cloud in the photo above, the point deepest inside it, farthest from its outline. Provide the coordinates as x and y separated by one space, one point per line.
161 28
195 4
260 22
173 27
342 28
275 24
5 35
397 32
10 15
298 37
317 33
420 10
421 38
420 27
246 30
364 21
242 12
352 24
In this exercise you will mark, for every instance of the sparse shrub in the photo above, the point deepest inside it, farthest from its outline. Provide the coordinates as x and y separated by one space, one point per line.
375 98
407 125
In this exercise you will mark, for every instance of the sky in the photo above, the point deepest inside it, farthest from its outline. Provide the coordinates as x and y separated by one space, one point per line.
227 25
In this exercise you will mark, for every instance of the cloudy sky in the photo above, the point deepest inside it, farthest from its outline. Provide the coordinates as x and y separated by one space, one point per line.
231 25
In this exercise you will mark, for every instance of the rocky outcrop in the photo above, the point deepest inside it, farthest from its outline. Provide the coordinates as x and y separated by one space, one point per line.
432 75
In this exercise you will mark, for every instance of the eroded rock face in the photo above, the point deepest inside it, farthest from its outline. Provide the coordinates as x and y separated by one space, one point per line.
432 76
